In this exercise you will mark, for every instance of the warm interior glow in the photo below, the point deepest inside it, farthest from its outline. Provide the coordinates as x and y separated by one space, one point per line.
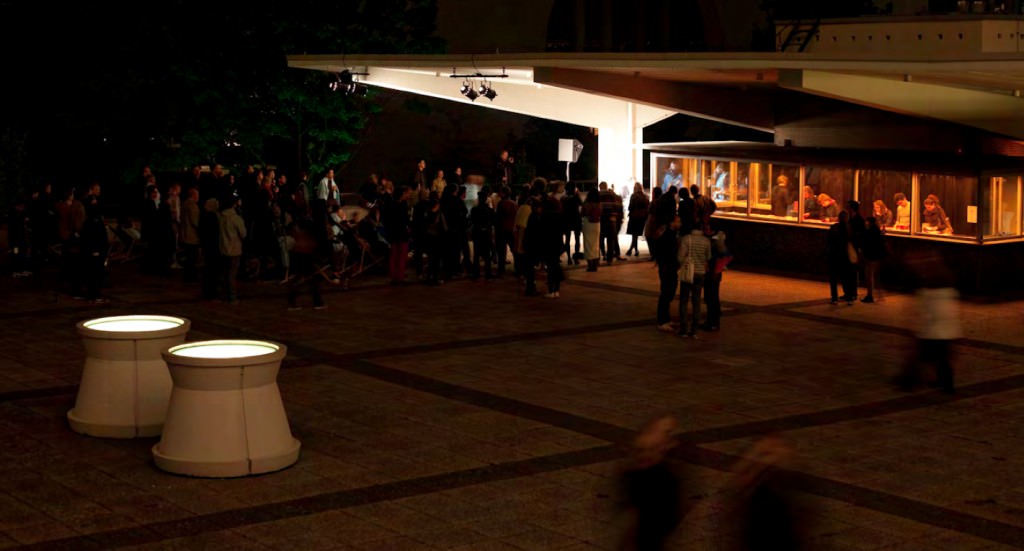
224 349
133 324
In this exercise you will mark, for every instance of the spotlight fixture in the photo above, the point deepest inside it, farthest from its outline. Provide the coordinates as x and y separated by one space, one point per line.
467 90
484 89
345 82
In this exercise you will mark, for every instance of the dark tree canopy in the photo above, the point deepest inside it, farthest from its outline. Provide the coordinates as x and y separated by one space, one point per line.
182 82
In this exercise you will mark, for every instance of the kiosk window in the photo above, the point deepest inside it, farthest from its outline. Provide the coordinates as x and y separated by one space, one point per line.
948 205
888 196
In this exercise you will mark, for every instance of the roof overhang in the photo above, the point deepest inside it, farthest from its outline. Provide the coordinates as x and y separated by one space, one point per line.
980 91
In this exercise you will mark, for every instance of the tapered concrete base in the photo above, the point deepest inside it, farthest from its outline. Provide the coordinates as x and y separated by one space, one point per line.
225 417
125 383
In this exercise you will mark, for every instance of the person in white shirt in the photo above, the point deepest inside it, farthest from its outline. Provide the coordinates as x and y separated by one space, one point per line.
328 189
326 195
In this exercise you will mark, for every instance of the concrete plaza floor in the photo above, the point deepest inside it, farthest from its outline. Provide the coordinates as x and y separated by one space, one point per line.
468 416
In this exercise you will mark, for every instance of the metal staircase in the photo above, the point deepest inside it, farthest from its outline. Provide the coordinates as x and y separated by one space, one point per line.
794 36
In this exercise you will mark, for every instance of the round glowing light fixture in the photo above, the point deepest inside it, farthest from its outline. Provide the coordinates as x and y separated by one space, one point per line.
132 324
225 417
125 384
224 349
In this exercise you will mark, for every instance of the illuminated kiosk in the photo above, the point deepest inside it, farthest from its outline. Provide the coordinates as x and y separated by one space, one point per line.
125 384
225 416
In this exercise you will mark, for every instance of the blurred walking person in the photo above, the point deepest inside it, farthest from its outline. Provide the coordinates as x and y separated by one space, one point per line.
763 504
653 490
938 318
303 262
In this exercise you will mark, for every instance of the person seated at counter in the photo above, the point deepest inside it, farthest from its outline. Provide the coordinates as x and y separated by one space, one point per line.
829 208
783 200
812 210
902 212
882 214
934 219
720 191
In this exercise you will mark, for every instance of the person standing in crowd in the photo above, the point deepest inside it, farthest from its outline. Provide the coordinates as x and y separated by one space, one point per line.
664 251
327 194
687 208
439 183
591 217
419 182
209 243
504 237
695 249
639 207
482 220
456 238
611 218
396 228
720 258
652 489
95 246
573 220
840 254
874 252
232 234
42 222
503 169
550 246
18 238
70 218
665 212
938 323
174 209
435 231
523 263
457 177
703 208
190 234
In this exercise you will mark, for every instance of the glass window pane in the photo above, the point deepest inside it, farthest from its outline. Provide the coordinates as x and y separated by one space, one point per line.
736 187
1003 202
950 205
826 191
888 196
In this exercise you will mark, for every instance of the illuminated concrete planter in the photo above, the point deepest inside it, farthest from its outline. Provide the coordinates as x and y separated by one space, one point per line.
225 417
125 384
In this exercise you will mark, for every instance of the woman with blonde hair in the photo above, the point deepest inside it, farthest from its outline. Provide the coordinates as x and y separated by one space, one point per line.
882 214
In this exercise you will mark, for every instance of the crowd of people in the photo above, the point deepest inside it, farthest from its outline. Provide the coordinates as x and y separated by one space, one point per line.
216 227
691 255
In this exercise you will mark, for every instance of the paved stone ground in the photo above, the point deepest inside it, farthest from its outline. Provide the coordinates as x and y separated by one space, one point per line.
470 417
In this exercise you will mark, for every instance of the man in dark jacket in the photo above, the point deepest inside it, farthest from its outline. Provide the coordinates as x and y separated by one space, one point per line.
396 228
95 246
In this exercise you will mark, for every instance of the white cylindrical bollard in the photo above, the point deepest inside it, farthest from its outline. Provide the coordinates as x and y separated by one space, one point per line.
125 384
225 416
